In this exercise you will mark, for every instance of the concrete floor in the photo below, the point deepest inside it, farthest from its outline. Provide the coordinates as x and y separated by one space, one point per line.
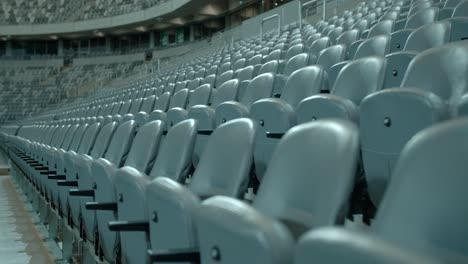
20 241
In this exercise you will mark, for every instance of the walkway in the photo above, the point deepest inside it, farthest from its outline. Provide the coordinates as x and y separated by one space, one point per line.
20 241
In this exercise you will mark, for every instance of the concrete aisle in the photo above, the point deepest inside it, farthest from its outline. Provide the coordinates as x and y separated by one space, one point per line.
20 241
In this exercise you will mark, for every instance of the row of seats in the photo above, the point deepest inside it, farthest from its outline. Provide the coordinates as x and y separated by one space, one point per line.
190 166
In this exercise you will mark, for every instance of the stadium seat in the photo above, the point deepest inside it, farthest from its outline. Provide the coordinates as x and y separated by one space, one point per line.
397 114
285 207
406 228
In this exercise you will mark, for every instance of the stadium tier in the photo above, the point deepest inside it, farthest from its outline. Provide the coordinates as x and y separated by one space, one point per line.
341 141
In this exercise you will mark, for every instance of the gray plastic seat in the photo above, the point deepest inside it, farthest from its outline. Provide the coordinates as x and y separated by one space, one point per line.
299 61
384 27
125 108
174 162
259 88
136 104
269 67
348 37
255 60
312 38
179 86
95 150
334 34
223 170
147 107
397 114
140 157
379 45
115 154
179 99
331 56
418 19
290 201
319 45
293 51
212 71
273 55
205 114
224 68
276 115
226 76
194 84
355 81
201 96
415 208
169 88
239 64
210 79
425 37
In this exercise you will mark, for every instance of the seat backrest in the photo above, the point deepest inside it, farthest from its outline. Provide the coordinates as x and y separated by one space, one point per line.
212 71
179 99
422 17
145 146
179 86
61 136
121 142
226 161
270 66
379 45
384 27
299 61
294 50
347 38
75 144
162 103
201 96
274 55
210 79
319 45
428 36
447 67
300 199
348 23
244 74
148 104
89 138
331 56
334 34
418 6
303 83
260 87
359 78
390 15
169 88
136 104
102 141
239 64
226 76
224 68
175 154
193 84
125 108
361 24
425 191
257 59
228 91
70 136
